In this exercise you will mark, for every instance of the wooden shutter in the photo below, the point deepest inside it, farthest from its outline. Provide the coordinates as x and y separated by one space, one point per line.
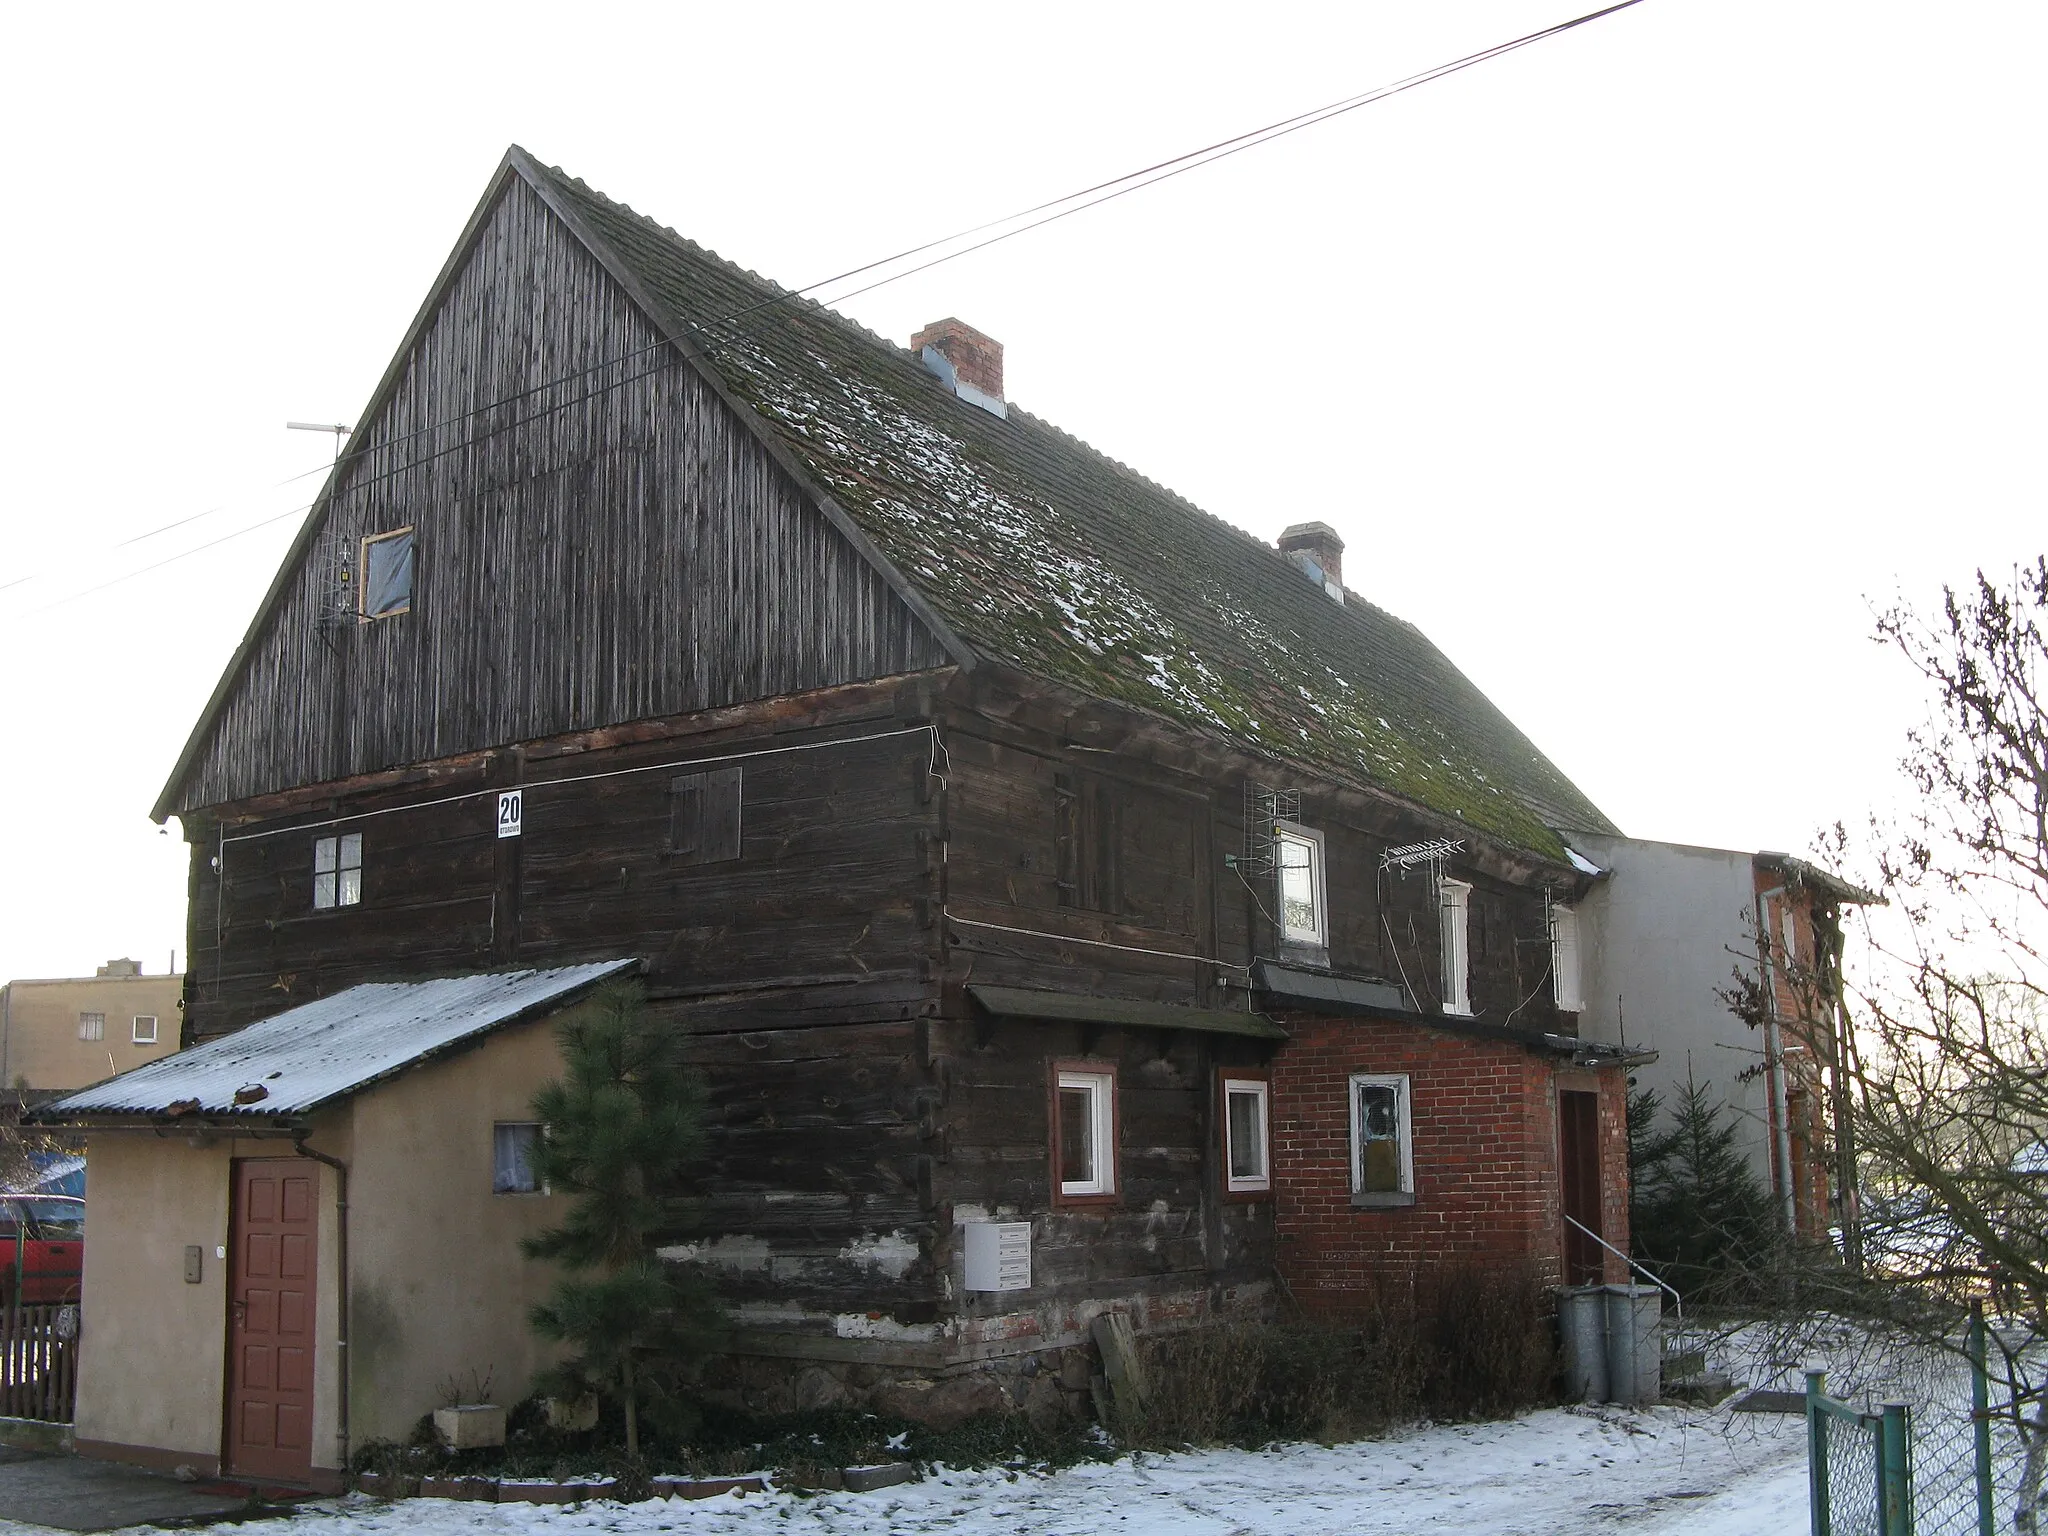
704 817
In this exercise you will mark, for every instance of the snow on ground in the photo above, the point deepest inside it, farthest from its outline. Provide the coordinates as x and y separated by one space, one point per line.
1667 1472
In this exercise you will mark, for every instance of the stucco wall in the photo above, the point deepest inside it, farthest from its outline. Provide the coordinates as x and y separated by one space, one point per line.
152 1348
441 1289
1659 940
39 1040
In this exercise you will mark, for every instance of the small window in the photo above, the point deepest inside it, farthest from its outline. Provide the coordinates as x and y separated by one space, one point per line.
1453 901
1298 861
512 1160
337 871
144 1032
1084 1133
387 574
1086 838
1247 1159
1564 959
704 814
1382 1157
92 1026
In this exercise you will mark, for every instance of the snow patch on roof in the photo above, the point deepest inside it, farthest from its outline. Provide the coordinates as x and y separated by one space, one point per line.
318 1052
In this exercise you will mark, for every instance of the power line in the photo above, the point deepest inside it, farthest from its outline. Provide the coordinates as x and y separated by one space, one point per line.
1052 210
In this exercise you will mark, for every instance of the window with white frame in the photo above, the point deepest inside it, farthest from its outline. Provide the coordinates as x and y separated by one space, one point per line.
1382 1150
337 871
1454 902
513 1143
1298 868
1247 1159
1564 959
387 574
1084 1132
92 1026
144 1032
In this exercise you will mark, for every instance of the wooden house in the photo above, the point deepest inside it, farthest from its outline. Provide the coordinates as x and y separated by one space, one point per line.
1074 903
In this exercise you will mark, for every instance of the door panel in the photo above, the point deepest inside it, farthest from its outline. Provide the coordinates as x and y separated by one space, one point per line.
1578 1128
273 1264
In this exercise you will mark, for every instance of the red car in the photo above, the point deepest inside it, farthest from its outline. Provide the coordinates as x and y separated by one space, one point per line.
42 1248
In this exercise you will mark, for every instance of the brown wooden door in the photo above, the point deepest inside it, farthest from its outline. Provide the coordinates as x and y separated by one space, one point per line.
272 1243
1578 1147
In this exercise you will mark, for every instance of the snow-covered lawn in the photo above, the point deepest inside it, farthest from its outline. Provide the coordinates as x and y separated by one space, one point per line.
1702 1473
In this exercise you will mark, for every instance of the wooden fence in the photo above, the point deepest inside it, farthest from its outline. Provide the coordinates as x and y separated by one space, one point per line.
39 1361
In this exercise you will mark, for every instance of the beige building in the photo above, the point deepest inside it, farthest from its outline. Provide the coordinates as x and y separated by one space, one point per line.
71 1032
306 1232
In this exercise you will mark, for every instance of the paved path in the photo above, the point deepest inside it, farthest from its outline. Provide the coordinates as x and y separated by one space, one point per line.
74 1494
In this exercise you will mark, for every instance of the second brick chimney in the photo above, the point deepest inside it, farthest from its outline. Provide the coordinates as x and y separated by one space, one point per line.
966 359
1317 549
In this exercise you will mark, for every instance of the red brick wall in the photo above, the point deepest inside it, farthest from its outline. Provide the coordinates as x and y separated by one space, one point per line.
1485 1156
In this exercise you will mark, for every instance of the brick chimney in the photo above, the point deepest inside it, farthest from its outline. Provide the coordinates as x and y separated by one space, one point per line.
1316 548
966 359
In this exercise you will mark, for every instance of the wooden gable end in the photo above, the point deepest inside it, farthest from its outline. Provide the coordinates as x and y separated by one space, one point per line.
598 538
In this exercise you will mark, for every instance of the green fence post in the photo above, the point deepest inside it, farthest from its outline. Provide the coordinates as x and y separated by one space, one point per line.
1895 1477
1817 1451
1980 1417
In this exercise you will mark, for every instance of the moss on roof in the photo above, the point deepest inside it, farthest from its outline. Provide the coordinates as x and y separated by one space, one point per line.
1049 556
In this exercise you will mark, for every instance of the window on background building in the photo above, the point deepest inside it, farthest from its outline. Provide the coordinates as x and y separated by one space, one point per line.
1247 1160
512 1161
337 871
144 1032
1298 866
387 574
1382 1154
1453 905
92 1026
1564 959
1084 1132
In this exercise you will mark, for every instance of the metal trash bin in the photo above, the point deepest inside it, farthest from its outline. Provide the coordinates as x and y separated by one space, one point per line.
1635 1344
1582 1331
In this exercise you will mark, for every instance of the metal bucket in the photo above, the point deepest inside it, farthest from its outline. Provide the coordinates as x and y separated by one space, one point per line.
1634 1343
1582 1329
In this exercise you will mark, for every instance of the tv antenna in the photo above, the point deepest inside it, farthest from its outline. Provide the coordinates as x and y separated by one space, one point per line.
340 429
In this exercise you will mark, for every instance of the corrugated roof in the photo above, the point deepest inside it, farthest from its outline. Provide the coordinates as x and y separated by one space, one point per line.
1044 554
318 1052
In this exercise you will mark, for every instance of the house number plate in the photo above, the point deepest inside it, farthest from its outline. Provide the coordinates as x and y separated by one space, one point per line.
509 812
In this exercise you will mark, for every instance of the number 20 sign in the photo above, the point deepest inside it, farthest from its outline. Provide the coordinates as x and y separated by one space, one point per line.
509 809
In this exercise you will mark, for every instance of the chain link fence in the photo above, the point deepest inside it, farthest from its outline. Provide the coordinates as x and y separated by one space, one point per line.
1962 1451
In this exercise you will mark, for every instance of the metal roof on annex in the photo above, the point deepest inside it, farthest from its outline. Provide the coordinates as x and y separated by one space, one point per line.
319 1052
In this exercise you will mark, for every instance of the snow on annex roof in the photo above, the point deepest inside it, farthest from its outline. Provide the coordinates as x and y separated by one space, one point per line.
318 1052
1051 557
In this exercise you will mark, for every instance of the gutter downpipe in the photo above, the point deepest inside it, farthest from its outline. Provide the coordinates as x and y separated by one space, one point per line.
341 1259
1774 1058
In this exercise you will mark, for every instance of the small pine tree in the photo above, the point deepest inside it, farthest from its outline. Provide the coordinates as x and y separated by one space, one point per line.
624 1123
1698 1214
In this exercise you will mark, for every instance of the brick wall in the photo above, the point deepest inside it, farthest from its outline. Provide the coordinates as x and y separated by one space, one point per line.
1485 1156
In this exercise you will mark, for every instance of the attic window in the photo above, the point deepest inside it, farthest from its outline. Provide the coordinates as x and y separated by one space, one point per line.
337 871
387 574
1298 867
704 817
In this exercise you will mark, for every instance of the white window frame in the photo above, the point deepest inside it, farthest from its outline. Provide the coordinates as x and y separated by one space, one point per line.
135 1034
91 1025
1100 1085
1566 969
342 855
1287 834
1454 910
1403 1107
363 565
1259 1090
539 1186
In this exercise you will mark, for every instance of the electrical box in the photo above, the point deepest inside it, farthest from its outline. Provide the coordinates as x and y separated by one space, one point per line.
192 1264
998 1255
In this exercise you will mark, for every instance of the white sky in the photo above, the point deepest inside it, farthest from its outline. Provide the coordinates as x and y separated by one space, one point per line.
1630 366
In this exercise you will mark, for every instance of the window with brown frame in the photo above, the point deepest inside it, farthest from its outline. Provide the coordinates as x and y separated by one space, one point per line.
1084 1132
